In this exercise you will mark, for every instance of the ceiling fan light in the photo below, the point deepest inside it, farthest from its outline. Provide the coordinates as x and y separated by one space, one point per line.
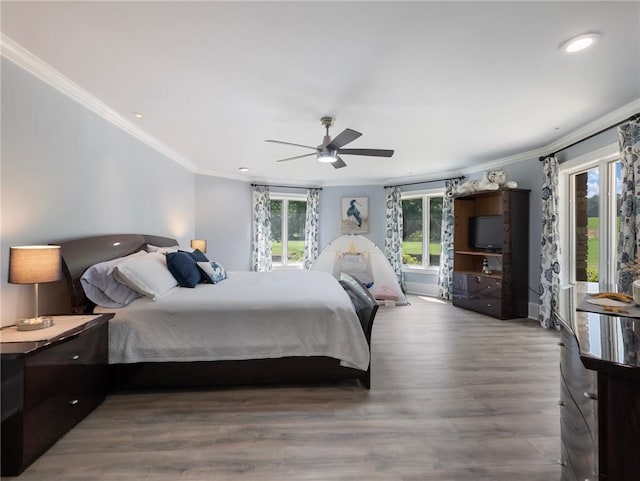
327 157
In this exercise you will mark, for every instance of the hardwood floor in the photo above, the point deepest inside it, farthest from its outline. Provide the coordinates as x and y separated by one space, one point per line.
455 396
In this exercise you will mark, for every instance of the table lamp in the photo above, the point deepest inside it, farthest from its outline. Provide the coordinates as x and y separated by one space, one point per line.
34 265
200 244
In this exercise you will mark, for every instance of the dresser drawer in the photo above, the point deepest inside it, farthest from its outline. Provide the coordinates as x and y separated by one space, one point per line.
580 384
485 305
47 373
475 284
478 293
579 443
578 412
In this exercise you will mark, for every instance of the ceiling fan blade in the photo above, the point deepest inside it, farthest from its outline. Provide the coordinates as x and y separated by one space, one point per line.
343 138
289 143
296 157
338 164
370 152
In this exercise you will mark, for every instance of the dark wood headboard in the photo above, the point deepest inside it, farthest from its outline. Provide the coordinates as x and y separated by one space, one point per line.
80 254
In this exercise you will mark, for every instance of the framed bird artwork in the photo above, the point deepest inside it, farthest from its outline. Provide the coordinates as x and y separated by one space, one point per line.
355 215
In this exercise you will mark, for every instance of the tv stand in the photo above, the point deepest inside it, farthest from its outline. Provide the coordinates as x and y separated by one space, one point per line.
504 293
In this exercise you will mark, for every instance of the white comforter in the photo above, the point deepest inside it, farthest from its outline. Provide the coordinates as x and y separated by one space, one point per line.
250 315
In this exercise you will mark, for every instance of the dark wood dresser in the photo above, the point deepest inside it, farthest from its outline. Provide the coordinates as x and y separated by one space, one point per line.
600 398
49 386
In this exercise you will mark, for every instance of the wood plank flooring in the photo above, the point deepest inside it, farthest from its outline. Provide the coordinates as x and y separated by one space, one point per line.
456 396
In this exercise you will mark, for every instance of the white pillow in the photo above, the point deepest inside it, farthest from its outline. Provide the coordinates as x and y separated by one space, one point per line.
103 289
162 250
148 275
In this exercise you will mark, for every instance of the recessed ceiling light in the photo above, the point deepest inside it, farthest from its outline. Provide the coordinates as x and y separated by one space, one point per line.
243 169
137 115
580 42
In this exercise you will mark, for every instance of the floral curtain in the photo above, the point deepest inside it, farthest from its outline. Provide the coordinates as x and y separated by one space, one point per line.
628 239
445 275
393 235
550 246
311 228
261 229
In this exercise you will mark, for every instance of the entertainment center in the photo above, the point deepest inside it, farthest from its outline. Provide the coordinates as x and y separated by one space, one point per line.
491 252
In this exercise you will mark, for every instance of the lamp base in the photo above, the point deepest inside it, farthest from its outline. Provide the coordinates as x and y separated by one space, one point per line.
34 323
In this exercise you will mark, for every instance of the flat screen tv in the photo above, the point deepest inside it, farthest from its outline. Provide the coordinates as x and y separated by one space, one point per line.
486 233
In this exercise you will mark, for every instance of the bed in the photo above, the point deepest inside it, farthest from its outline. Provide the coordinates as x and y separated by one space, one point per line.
232 332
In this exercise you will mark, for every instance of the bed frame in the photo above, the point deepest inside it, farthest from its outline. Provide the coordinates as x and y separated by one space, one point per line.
80 254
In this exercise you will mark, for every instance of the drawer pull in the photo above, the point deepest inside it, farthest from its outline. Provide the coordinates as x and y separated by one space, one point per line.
73 402
561 344
562 462
561 403
489 305
75 357
591 395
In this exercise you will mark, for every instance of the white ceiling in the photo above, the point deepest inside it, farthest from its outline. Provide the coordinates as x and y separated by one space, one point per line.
448 85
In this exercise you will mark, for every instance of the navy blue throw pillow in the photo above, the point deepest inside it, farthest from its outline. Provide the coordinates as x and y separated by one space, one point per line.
184 268
198 256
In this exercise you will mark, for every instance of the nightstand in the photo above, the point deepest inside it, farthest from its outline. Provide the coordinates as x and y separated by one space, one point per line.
51 380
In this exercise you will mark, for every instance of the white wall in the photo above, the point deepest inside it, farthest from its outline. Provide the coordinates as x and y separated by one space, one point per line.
223 218
68 173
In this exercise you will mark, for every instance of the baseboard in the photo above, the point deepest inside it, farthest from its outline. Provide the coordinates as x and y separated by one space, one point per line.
421 289
534 311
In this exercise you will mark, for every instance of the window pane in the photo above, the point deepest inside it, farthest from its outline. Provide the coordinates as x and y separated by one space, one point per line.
295 236
412 244
276 231
587 225
435 230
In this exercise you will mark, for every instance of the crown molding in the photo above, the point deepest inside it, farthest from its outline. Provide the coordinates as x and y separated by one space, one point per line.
14 52
603 122
17 54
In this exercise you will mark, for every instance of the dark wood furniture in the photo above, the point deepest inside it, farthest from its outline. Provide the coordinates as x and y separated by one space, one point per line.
79 254
48 387
504 293
600 405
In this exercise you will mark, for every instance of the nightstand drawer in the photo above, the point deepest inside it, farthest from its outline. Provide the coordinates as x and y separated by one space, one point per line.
45 423
48 372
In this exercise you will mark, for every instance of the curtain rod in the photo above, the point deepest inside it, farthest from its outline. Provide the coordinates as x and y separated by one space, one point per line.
285 186
426 181
633 117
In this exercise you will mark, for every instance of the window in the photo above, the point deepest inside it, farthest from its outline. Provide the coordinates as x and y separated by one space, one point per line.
590 237
422 219
288 215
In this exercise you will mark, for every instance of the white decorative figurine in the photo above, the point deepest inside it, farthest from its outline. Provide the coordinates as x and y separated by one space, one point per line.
491 180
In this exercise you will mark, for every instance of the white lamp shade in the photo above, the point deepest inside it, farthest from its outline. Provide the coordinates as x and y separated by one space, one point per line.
34 264
200 244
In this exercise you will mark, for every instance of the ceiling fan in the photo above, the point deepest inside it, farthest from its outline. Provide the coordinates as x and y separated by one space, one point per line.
329 149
